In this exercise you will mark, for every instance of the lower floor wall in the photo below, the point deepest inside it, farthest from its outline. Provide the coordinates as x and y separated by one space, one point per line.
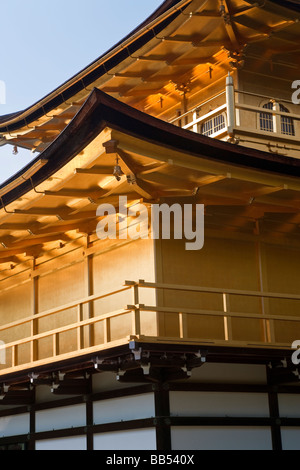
220 407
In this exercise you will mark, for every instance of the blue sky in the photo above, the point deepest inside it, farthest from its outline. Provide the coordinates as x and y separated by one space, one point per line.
44 43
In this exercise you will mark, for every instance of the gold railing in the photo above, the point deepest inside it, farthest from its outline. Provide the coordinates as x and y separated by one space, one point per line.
134 314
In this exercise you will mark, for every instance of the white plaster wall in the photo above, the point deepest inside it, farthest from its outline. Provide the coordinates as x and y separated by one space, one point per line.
221 438
65 443
61 418
138 439
290 437
125 408
219 404
14 425
289 405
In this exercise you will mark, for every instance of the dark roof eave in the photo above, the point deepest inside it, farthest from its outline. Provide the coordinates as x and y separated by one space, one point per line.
290 4
75 84
101 110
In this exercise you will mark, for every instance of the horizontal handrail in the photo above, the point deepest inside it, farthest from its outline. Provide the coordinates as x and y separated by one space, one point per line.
215 290
234 104
193 110
61 308
257 95
63 329
137 311
206 116
216 313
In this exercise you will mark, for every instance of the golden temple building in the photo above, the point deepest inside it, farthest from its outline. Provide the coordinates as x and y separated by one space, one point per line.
151 342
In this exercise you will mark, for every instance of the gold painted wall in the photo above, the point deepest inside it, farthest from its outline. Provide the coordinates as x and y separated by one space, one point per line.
15 304
70 278
282 274
55 289
230 264
132 262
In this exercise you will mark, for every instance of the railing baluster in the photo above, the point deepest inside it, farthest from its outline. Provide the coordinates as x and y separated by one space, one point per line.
183 326
55 345
136 324
14 355
136 319
107 334
227 319
79 329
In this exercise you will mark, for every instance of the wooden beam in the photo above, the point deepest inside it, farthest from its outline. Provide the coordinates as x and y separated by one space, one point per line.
230 28
21 246
208 14
193 60
44 211
264 191
243 10
170 181
76 193
128 165
144 189
94 171
25 227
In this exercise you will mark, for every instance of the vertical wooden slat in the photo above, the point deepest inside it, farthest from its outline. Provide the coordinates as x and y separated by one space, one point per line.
34 323
183 330
136 320
268 331
107 334
89 270
14 355
79 328
227 319
55 344
195 116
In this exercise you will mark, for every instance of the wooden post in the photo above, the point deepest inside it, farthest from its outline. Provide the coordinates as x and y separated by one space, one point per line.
55 344
136 320
14 355
107 334
79 329
89 337
227 320
195 116
183 331
230 101
34 323
267 325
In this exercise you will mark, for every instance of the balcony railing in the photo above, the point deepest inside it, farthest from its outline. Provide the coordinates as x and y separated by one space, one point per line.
234 112
120 326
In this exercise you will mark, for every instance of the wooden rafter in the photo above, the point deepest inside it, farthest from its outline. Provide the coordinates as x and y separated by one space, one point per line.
231 29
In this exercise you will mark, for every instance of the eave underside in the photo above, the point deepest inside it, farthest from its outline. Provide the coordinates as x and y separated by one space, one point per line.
177 46
139 363
53 202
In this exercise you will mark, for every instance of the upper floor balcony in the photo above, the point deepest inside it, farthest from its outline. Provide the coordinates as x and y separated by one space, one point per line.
265 122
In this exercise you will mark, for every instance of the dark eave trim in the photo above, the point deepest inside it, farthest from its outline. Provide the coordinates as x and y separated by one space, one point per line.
290 4
101 110
76 84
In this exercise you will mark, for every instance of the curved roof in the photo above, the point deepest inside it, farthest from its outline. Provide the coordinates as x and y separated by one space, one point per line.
170 43
101 111
92 71
54 199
